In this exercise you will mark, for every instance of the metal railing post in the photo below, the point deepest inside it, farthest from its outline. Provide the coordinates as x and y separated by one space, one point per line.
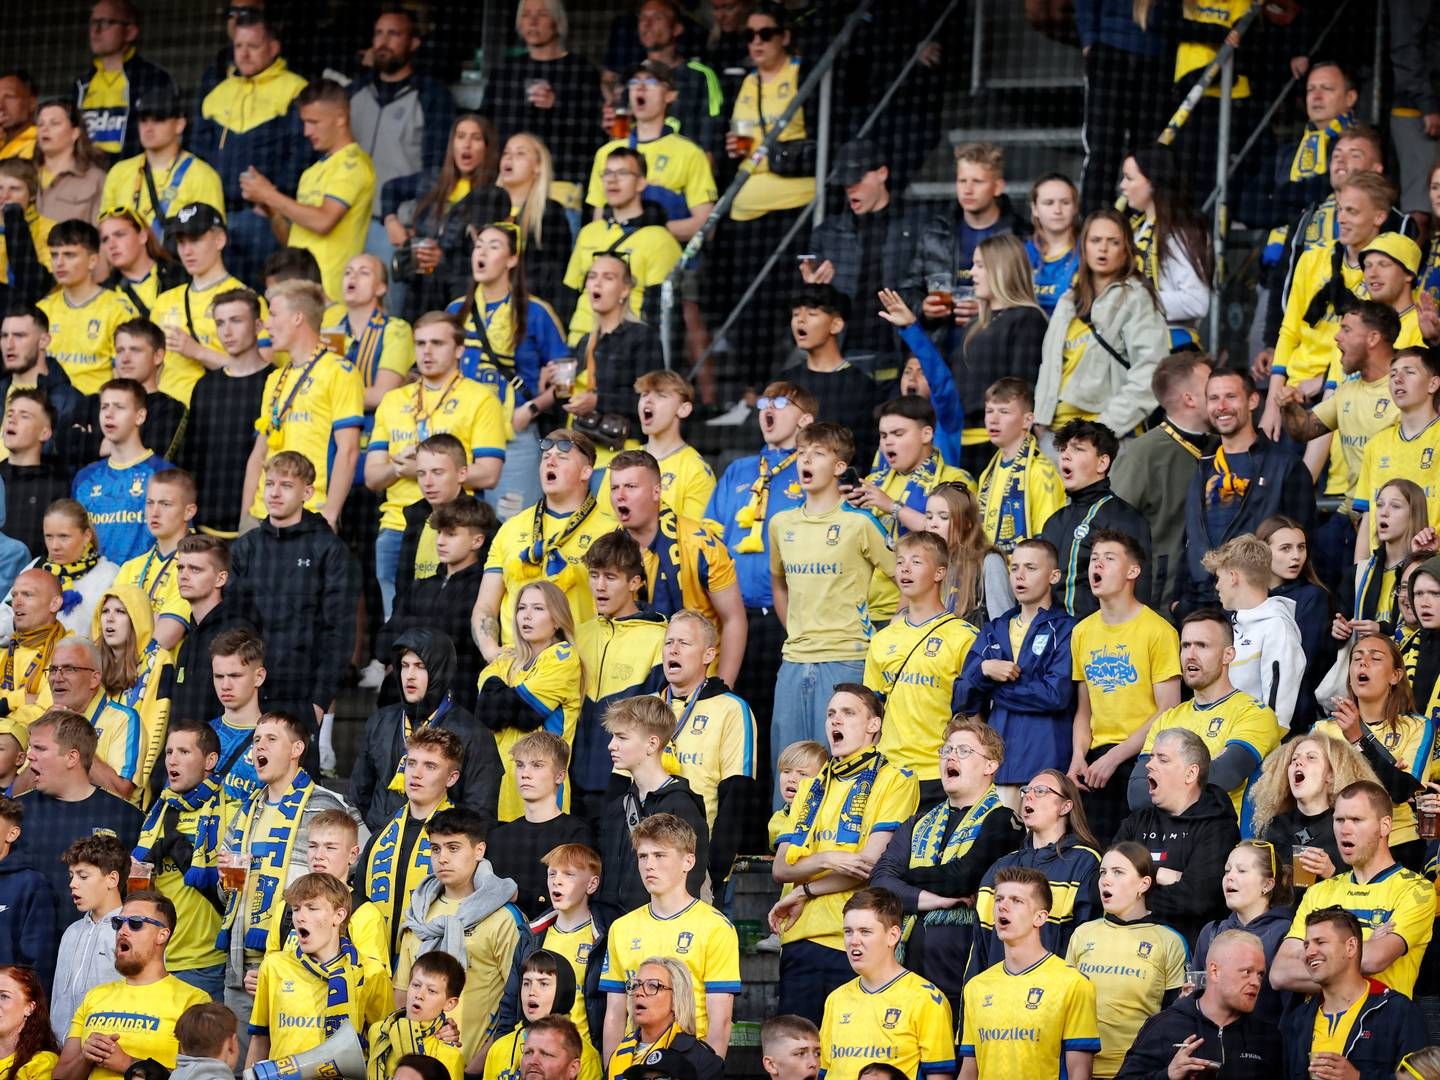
1378 70
1221 222
977 47
822 144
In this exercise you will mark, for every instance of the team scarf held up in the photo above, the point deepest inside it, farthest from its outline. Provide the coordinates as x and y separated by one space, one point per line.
667 594
43 641
167 810
344 977
397 782
860 770
266 880
380 872
1225 485
1005 518
751 516
1312 156
543 558
397 1036
918 483
69 575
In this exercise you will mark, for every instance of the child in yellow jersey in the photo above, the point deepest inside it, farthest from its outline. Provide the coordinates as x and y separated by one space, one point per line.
307 992
1032 1014
177 841
547 988
1020 488
136 674
1127 669
886 1012
332 847
169 506
1238 730
914 662
1137 965
686 480
823 556
844 816
1408 449
83 315
675 924
436 982
797 763
463 893
895 492
535 682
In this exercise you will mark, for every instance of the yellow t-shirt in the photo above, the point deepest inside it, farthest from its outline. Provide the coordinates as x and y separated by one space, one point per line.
502 1060
396 345
142 1016
369 933
40 1067
764 104
1413 741
328 399
1131 965
1237 719
1332 1030
158 577
672 162
1397 896
1357 411
914 668
489 949
347 177
893 798
714 740
187 180
576 946
1389 455
290 1002
906 1024
82 337
909 490
1079 338
1121 665
827 561
699 937
686 482
650 251
551 687
516 536
1021 1024
188 308
461 408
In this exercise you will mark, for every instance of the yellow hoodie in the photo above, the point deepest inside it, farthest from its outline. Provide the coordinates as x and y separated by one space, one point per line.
149 694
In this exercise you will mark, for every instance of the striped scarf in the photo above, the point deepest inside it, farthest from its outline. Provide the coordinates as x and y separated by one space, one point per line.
380 872
344 978
265 884
164 817
397 1036
859 770
929 846
918 483
751 516
43 642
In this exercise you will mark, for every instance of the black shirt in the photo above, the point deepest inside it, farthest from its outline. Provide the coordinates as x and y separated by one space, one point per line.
515 851
29 490
846 396
223 409
867 332
51 826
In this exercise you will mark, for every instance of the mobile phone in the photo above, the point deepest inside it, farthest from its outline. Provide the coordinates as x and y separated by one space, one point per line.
809 256
849 478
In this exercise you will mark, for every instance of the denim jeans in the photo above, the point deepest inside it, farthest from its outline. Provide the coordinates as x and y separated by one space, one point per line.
802 691
210 979
519 484
387 565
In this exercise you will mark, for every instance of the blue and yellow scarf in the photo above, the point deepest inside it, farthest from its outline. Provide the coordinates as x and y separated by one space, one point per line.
380 875
928 844
266 883
859 770
204 800
919 483
344 978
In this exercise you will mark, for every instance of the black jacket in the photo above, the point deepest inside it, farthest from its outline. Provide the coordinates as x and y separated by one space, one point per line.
1247 1048
416 515
29 280
303 584
939 250
1195 843
1389 1026
1281 484
1010 345
71 414
29 935
621 889
144 79
1070 529
442 603
477 789
194 695
621 357
531 938
29 490
735 801
1271 926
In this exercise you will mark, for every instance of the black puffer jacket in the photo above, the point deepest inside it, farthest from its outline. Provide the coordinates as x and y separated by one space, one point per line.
1247 1048
477 789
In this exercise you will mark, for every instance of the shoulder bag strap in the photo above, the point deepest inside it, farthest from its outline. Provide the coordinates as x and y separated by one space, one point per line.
478 316
154 199
1100 338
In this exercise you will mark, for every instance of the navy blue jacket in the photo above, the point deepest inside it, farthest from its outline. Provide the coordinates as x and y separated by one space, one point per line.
28 934
1389 1026
1035 713
106 125
1112 23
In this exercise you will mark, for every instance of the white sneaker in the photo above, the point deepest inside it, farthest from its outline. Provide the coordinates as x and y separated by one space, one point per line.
372 675
734 416
770 944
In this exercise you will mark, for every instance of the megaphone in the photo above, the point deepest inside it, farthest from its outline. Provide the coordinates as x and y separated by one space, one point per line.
340 1057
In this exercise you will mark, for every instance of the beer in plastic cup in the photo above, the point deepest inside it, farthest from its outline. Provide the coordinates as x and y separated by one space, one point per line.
140 875
1301 876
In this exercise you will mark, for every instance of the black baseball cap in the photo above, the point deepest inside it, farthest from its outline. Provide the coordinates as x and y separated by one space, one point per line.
160 104
855 159
663 1063
194 219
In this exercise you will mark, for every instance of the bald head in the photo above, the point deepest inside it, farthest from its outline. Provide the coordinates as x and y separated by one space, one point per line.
35 597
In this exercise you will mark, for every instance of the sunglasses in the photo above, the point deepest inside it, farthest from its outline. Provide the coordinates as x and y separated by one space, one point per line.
779 401
560 446
136 923
765 33
122 212
1407 1068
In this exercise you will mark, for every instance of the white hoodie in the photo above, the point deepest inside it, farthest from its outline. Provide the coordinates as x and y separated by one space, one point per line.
1269 659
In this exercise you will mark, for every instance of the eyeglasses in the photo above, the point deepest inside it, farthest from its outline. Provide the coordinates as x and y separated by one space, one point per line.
1038 790
136 923
617 174
765 33
779 401
645 987
962 752
560 446
66 670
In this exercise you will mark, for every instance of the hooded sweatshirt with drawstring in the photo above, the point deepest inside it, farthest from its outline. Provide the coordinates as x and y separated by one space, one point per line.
149 694
1269 657
383 747
503 1058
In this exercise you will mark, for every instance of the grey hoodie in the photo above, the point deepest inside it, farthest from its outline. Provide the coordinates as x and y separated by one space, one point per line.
448 931
200 1068
1269 658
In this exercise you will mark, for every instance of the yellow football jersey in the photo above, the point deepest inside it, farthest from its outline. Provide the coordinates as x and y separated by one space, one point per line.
714 740
290 1002
516 536
156 576
576 946
1121 665
143 1018
1411 739
188 180
189 309
906 1024
348 177
672 162
1018 496
1237 719
82 336
1356 412
1390 455
650 251
909 491
551 687
1022 1024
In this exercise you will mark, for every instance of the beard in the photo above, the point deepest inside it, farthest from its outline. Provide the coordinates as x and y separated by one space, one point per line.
129 963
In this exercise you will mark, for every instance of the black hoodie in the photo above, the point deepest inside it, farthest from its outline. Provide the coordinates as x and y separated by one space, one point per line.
1195 844
621 888
1070 529
1247 1048
477 789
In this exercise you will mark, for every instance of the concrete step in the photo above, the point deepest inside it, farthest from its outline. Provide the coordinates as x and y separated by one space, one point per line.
1040 136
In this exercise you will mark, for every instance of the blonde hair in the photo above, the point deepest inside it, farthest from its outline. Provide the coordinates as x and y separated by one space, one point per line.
1270 795
1247 554
556 10
532 214
545 744
968 546
558 605
1012 282
798 755
304 297
682 992
707 628
647 713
